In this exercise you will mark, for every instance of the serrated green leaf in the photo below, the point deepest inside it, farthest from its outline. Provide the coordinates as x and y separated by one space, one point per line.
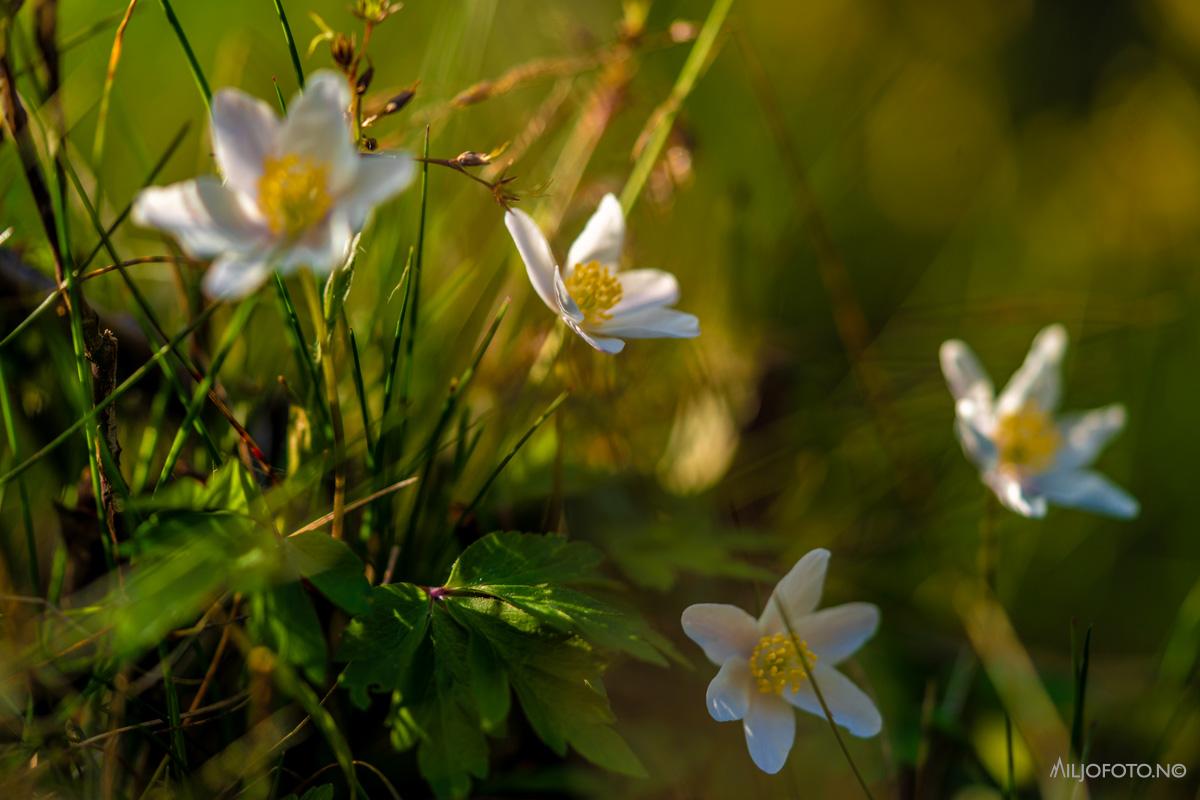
381 644
332 567
531 571
453 748
524 558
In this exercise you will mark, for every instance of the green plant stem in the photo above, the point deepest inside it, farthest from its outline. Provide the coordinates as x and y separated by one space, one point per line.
665 115
808 673
313 296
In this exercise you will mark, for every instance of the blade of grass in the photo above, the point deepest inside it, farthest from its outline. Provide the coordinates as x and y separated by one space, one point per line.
291 42
114 58
178 746
232 331
124 386
1079 674
10 432
457 388
413 316
150 438
193 63
487 484
49 301
317 311
664 116
363 410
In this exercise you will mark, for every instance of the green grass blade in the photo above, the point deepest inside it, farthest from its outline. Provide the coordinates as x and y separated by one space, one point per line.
291 42
665 115
193 63
124 386
10 432
487 484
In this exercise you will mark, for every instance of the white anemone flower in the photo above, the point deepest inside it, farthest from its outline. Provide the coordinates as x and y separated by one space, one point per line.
1026 455
295 190
602 305
762 677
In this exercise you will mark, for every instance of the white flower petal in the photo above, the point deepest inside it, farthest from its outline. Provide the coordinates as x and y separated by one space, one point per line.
380 177
317 128
849 705
602 237
722 630
728 696
643 288
235 275
1089 491
323 248
651 323
798 592
1016 496
968 381
206 217
1039 379
975 444
770 728
834 634
535 252
244 132
1085 434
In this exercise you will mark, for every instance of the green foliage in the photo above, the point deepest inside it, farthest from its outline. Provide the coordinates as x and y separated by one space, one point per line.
507 621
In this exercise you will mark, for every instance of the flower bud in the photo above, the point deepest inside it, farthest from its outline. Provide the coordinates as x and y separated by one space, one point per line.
342 50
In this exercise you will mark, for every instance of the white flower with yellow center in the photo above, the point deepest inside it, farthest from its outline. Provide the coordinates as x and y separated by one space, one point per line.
295 193
594 299
1026 455
762 677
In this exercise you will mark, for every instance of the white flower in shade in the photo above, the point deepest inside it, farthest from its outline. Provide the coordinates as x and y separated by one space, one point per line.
1026 455
296 190
761 676
596 301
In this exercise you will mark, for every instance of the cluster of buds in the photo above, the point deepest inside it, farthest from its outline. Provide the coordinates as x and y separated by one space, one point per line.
375 11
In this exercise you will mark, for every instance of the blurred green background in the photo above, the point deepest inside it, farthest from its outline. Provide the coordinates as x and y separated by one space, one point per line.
971 170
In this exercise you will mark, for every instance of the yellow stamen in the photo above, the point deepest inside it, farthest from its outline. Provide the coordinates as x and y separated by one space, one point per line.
775 663
595 289
293 194
1027 439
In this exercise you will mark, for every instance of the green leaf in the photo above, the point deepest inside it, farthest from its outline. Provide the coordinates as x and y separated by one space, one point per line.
524 558
530 571
282 618
381 644
332 567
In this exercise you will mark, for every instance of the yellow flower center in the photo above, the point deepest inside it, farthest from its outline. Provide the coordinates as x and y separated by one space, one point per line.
775 663
1027 439
293 194
595 289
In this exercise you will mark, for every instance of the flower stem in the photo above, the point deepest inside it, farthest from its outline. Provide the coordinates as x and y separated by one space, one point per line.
808 673
324 342
989 545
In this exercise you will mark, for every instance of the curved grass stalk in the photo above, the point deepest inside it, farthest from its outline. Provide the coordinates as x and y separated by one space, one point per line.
659 126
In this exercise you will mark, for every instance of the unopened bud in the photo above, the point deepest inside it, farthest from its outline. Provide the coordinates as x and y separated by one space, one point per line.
342 50
399 101
364 80
470 158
